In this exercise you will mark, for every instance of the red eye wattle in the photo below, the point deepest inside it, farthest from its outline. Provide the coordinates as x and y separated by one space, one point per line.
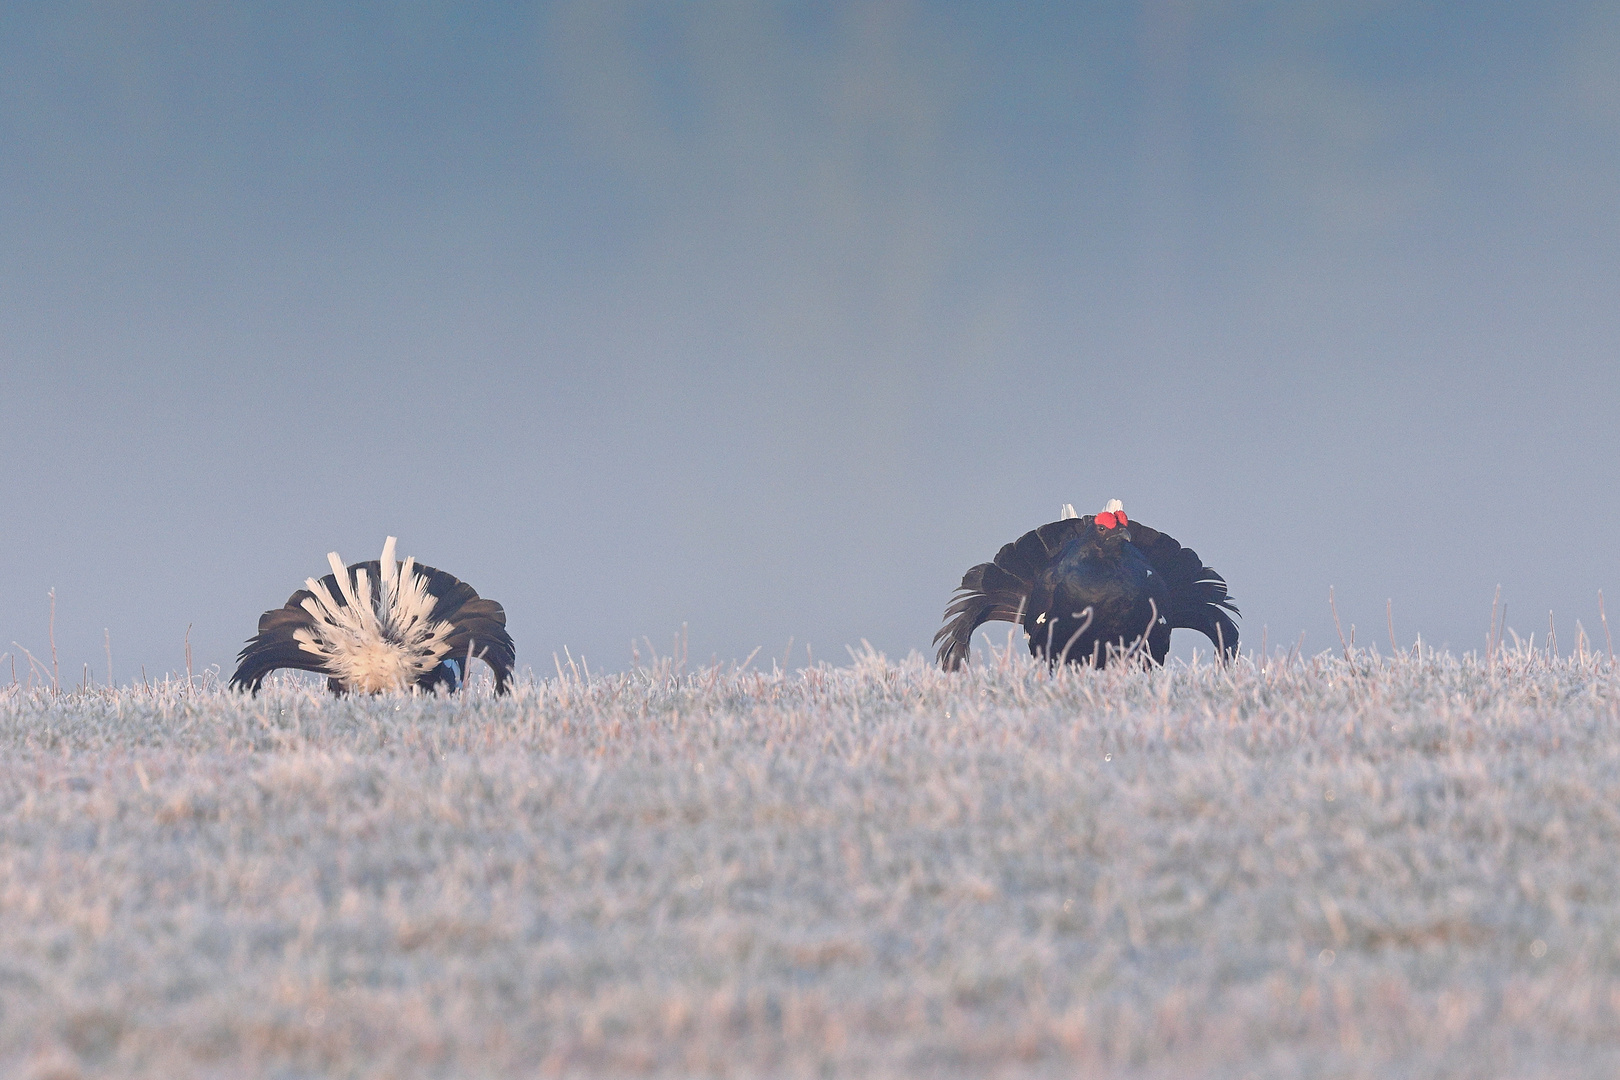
1107 520
1120 516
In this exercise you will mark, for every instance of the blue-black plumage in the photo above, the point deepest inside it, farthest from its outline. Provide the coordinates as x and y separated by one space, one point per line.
1089 590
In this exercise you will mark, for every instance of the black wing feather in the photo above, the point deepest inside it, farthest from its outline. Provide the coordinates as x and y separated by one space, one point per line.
480 625
1198 597
453 593
474 621
273 646
1000 590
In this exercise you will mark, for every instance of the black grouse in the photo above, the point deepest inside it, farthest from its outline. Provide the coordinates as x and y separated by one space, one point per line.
381 626
1087 589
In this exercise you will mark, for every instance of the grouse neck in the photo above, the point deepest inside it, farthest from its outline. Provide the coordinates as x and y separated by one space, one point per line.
1100 549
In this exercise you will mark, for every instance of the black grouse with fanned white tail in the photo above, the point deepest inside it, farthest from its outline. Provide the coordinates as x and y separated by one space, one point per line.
1089 590
381 627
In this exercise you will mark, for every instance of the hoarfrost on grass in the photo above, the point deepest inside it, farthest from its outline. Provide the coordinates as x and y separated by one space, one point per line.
1367 867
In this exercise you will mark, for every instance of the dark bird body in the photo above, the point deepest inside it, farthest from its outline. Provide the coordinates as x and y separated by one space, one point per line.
381 626
1090 590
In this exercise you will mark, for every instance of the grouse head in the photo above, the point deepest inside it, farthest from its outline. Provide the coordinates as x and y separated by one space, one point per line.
1110 530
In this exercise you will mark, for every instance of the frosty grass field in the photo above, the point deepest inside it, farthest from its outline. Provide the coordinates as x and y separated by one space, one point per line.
1374 866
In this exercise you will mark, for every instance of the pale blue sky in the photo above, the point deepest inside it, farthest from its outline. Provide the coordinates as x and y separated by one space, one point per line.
774 318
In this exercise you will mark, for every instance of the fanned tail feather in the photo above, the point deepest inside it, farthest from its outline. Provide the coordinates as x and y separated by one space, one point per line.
379 625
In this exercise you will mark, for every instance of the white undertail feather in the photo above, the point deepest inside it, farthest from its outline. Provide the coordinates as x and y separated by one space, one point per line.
1114 506
375 643
1067 512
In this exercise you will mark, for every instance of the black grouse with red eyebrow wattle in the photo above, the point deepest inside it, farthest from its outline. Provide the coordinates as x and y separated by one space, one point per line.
1090 590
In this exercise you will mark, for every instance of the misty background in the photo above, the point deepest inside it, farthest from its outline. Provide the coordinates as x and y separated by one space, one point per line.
773 318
